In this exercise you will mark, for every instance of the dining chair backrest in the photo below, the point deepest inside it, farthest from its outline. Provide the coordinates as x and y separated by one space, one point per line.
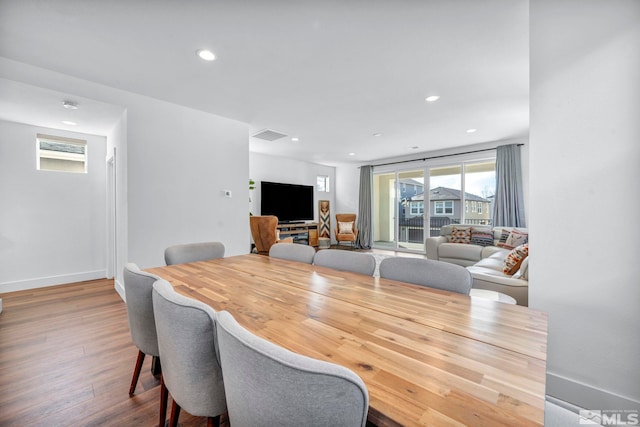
266 384
192 252
188 351
427 272
138 287
356 262
293 252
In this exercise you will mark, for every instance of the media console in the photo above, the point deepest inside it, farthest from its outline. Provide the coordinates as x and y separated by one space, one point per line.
302 233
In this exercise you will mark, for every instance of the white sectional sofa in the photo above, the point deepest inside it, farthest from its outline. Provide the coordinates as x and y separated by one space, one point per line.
485 263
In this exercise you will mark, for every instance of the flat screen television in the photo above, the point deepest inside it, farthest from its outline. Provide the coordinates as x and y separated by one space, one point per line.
289 202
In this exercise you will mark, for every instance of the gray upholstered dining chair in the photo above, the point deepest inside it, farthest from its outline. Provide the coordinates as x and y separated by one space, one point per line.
293 252
427 272
190 366
138 286
266 384
192 252
356 262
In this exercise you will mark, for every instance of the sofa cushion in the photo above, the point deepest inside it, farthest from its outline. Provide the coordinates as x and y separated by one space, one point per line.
455 250
460 235
514 259
494 262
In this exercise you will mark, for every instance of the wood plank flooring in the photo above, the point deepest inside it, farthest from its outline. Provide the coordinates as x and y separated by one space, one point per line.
66 359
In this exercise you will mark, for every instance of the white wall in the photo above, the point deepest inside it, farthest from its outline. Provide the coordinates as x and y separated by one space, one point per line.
347 188
179 162
173 162
585 170
52 224
280 169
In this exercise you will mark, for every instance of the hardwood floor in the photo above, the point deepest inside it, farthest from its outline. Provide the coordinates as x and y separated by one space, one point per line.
66 359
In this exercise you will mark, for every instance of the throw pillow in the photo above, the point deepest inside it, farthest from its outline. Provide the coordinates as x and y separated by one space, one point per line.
460 235
504 235
514 259
345 227
515 238
481 237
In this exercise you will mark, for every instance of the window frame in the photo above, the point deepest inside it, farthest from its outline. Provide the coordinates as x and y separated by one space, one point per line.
323 183
444 207
68 156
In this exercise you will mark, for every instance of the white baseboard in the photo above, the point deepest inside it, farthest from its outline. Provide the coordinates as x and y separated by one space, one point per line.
119 289
586 396
42 282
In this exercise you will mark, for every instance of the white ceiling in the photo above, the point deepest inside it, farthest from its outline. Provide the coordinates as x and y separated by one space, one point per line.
332 73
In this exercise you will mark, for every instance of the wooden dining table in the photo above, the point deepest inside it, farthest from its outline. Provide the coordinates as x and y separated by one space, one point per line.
427 356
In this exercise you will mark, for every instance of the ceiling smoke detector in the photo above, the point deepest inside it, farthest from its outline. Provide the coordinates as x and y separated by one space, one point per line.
70 105
269 135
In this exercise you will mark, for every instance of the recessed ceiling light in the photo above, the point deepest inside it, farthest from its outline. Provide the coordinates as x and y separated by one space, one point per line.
70 105
352 154
432 98
205 54
67 122
377 134
295 139
471 130
415 147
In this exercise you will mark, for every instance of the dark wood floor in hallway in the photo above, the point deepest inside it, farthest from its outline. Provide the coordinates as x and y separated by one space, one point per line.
66 359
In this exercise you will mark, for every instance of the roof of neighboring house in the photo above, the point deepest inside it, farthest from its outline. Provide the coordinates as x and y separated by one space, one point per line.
410 181
444 193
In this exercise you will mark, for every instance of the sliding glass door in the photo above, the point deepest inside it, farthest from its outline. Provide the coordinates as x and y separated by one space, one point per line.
460 192
398 210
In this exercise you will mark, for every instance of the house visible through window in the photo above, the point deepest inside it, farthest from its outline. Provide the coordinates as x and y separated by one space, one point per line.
417 208
60 154
323 183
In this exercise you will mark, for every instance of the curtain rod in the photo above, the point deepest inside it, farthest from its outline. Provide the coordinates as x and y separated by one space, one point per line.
438 157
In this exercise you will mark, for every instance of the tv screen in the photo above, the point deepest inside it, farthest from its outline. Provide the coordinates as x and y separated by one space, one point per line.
289 202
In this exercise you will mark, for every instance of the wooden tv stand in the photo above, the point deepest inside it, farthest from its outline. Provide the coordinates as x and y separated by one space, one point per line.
303 233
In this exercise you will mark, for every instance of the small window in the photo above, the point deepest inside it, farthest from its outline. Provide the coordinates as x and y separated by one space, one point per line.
323 183
417 208
60 154
444 208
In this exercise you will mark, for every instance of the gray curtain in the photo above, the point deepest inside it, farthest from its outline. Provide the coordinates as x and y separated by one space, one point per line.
508 208
364 209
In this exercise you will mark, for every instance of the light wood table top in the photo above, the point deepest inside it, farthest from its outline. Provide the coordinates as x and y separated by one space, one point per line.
428 357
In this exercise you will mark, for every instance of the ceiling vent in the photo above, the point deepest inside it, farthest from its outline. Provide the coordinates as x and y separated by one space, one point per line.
269 135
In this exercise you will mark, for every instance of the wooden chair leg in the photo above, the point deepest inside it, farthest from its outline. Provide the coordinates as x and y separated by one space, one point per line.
213 421
156 368
164 395
136 372
175 414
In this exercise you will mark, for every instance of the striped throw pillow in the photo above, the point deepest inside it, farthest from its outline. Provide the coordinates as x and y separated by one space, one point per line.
481 237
